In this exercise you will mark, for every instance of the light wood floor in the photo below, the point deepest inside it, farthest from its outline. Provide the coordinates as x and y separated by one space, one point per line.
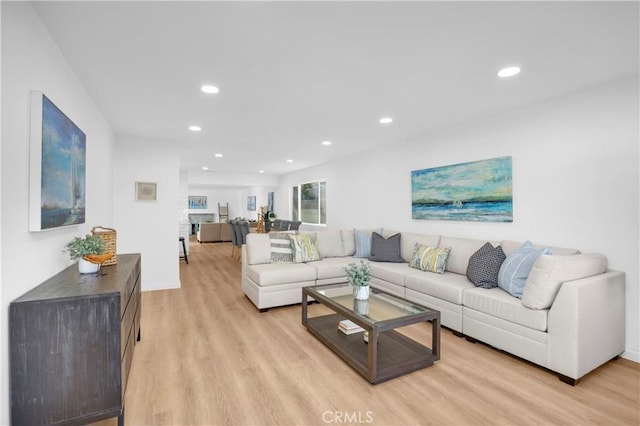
208 357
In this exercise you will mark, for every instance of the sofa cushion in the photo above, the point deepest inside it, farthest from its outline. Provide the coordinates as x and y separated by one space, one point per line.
509 247
280 248
331 267
386 233
498 303
280 273
549 272
330 243
390 272
385 249
348 242
461 251
484 266
304 248
363 241
431 259
516 267
409 240
258 249
448 286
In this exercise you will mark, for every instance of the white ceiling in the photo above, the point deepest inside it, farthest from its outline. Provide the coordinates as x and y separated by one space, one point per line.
292 74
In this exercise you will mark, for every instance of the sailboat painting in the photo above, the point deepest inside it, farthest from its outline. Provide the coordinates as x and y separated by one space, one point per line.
58 156
479 191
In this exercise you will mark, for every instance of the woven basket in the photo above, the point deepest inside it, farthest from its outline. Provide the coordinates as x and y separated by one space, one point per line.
108 235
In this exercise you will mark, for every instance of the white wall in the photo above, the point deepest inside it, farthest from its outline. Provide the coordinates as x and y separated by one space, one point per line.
261 194
575 180
32 61
3 355
218 195
149 227
184 227
234 188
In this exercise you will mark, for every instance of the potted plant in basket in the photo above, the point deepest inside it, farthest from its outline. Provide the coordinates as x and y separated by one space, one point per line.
358 277
89 250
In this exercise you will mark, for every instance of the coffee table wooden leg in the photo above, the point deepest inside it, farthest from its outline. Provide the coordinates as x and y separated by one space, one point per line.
304 308
372 356
435 337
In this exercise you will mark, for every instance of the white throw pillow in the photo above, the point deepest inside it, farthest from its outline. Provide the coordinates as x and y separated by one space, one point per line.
550 271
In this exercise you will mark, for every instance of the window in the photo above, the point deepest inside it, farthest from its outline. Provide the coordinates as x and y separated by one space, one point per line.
309 203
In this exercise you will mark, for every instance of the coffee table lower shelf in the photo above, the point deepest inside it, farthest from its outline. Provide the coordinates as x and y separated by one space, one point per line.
396 355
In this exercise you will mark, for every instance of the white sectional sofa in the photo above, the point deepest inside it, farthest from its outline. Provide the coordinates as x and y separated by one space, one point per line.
583 328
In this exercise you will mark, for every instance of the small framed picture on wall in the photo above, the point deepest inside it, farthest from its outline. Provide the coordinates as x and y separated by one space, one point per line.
146 191
251 203
270 201
197 201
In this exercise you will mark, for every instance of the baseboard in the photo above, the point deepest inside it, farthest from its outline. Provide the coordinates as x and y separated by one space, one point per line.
631 354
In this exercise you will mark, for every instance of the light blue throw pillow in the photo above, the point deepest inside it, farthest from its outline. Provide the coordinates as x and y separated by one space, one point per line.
363 241
516 267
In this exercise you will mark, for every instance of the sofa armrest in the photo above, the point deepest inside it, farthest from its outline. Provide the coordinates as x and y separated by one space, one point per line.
587 324
244 261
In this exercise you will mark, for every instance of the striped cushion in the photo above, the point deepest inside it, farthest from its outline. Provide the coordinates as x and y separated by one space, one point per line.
305 248
280 248
431 259
363 241
516 267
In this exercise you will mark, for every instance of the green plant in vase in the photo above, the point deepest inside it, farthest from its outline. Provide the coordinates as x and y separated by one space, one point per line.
358 277
89 251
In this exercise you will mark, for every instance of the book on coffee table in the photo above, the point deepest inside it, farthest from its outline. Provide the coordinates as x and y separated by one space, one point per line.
349 327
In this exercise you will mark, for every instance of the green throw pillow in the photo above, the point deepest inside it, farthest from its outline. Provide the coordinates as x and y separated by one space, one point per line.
305 248
431 259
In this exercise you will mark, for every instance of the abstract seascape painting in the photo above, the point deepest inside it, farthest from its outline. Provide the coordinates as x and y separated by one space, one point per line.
479 191
57 167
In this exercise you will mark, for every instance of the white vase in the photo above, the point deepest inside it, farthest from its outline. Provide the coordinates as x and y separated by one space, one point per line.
361 292
361 307
86 267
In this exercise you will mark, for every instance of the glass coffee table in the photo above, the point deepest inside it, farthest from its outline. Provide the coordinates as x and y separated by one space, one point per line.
388 353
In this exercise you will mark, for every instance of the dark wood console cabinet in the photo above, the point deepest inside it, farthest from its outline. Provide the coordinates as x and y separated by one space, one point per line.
71 345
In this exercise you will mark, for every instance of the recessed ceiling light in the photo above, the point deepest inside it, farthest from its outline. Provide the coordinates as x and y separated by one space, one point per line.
260 171
289 160
508 72
195 128
207 88
386 120
218 155
205 168
326 143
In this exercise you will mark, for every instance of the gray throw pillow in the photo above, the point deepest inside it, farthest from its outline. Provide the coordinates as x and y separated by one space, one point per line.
484 266
385 249
280 248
